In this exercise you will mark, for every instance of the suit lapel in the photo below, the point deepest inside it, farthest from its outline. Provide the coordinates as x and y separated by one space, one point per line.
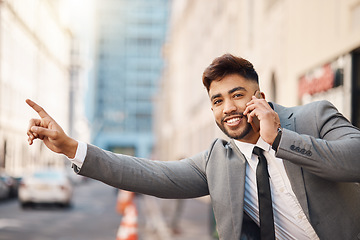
293 171
236 177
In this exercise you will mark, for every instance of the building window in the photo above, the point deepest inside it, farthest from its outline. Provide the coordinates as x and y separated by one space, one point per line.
356 88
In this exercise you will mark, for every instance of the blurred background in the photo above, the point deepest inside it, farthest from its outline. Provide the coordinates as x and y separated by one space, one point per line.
125 75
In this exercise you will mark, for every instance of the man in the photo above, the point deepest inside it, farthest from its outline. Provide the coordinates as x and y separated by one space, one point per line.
311 151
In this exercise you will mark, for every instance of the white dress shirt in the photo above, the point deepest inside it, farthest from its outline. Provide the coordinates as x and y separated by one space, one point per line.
290 220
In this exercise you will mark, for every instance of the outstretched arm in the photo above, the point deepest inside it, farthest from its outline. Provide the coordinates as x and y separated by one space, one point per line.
176 179
51 133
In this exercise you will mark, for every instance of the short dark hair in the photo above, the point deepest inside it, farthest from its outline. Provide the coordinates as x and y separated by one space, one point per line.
228 64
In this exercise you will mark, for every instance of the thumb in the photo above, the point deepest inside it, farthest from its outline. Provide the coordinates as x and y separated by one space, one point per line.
44 132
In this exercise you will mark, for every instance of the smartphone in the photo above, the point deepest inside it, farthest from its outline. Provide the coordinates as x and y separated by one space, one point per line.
255 124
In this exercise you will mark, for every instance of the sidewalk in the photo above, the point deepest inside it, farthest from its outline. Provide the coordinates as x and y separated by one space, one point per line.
155 217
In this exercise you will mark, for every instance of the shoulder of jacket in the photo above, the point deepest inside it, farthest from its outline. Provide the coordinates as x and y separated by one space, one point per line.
318 103
220 142
308 106
219 146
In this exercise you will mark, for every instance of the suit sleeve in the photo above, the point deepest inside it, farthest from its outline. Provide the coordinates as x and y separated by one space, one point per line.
330 148
171 179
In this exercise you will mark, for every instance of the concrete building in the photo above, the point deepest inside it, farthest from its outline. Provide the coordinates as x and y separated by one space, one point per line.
302 50
79 126
128 66
34 63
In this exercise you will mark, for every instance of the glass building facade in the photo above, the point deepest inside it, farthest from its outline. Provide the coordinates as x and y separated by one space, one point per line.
128 50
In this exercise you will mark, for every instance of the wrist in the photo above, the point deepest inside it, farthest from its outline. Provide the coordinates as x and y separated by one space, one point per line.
71 147
275 144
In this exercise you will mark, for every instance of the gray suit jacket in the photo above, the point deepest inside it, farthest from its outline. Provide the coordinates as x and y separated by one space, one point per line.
321 152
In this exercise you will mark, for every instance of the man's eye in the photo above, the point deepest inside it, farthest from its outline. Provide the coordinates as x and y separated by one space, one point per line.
216 102
238 95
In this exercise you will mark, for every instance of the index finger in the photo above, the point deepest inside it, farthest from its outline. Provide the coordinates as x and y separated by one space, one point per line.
37 108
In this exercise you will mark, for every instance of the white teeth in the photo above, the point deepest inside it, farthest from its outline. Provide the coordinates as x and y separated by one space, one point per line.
233 120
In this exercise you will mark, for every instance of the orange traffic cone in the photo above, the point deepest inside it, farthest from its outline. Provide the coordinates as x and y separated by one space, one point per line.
128 229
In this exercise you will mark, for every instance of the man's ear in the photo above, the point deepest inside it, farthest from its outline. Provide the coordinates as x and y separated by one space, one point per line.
259 94
262 95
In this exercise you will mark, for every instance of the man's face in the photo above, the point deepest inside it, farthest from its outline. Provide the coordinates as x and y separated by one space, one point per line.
228 100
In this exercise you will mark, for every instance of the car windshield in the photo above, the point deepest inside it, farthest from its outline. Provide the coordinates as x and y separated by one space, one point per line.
49 175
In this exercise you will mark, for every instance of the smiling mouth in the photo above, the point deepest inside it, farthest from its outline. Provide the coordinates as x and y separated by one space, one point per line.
233 121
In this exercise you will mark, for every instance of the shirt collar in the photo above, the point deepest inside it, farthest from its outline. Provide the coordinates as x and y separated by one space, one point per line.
247 148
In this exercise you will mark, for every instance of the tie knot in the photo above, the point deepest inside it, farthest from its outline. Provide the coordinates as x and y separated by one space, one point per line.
258 151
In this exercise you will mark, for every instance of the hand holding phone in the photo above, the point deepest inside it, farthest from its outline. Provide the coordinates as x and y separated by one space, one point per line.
262 117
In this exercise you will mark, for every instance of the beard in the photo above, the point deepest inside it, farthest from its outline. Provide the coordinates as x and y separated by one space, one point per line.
237 135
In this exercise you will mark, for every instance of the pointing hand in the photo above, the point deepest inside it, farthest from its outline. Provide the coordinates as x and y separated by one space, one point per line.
51 133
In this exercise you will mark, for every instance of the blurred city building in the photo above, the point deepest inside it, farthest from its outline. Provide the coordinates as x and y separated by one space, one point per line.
34 63
79 126
129 35
302 50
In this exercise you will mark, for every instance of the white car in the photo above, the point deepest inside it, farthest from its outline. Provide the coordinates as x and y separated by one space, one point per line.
45 186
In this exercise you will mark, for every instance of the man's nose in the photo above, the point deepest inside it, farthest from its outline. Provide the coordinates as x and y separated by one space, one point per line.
229 107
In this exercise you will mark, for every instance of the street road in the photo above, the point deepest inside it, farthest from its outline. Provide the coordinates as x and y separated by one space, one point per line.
92 216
